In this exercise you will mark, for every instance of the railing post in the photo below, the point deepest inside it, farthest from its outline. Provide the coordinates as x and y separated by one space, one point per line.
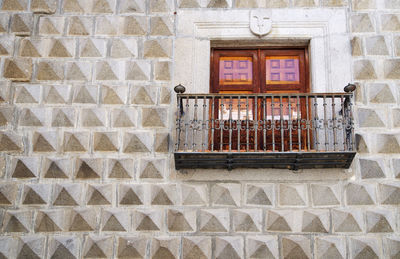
179 89
348 112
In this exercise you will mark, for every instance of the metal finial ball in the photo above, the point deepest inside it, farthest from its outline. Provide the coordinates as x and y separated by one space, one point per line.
180 89
349 88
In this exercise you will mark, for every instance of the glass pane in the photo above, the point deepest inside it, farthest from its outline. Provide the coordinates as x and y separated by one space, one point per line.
235 71
282 70
244 115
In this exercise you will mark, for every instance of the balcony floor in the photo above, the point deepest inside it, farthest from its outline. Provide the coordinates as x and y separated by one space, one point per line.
280 160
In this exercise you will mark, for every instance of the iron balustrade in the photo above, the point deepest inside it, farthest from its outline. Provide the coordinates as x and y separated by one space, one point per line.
313 123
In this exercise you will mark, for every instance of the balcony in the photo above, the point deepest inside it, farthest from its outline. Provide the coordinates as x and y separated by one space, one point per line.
292 131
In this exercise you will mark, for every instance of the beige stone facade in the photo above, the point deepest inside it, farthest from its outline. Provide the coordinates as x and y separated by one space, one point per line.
87 115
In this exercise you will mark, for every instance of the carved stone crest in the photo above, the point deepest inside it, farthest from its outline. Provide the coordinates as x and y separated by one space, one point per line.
260 22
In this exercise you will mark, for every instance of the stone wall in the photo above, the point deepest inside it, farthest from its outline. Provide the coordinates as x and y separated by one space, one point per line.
86 117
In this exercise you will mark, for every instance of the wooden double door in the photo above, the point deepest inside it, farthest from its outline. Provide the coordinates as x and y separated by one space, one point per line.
245 120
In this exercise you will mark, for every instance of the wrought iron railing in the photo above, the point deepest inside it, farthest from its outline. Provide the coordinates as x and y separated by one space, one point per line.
277 123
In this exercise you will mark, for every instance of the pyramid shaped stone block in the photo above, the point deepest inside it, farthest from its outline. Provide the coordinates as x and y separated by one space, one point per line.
27 94
259 195
165 96
7 247
14 5
6 116
346 220
161 26
152 169
120 168
99 194
107 70
92 48
164 194
229 247
93 117
147 220
50 71
32 117
162 142
158 48
194 194
247 4
123 118
44 141
356 46
316 221
225 194
103 6
85 94
305 3
364 4
292 195
380 221
134 25
31 247
105 141
17 69
114 94
364 70
58 94
163 248
371 117
56 168
134 247
361 23
137 142
17 221
330 247
154 117
116 220
90 168
10 142
396 168
396 45
124 48
98 247
36 194
325 195
364 247
51 25
32 47
49 221
131 194
138 70
6 46
143 95
262 247
80 26
392 247
365 194
247 220
62 48
78 71
75 6
76 141
8 194
390 22
387 144
24 167
196 247
160 6
22 24
181 220
134 6
44 6
67 195
214 220
376 45
188 4
63 117
390 193
381 93
107 25
371 169
219 3
391 69
63 247
162 71
82 220
279 220
296 247
5 91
